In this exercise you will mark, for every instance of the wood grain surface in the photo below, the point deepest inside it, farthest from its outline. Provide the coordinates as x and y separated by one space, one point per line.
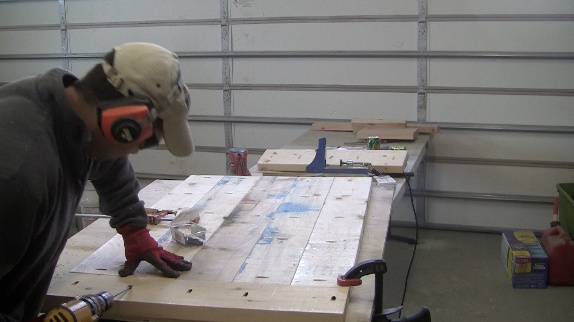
275 249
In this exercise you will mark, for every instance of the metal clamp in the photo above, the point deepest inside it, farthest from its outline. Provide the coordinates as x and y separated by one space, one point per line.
379 267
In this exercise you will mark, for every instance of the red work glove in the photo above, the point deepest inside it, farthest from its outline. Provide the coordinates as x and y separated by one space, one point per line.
140 246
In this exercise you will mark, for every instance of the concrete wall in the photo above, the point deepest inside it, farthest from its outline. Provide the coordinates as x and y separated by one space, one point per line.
497 76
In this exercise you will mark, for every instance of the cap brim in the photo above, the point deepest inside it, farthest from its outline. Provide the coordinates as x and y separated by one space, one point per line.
177 137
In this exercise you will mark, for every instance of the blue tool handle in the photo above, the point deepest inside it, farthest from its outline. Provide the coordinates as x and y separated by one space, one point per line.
319 162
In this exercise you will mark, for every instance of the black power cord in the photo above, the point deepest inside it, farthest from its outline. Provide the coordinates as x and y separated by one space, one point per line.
407 179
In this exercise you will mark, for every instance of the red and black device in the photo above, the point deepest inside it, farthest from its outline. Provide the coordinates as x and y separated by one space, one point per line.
379 267
237 162
127 120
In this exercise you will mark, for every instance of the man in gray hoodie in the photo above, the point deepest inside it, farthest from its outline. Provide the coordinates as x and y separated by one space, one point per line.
57 132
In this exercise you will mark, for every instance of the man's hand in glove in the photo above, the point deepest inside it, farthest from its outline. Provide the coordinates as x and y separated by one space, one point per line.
140 246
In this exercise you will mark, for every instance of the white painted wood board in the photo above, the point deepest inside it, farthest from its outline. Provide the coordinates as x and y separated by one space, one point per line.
335 235
156 190
296 160
257 216
248 210
374 234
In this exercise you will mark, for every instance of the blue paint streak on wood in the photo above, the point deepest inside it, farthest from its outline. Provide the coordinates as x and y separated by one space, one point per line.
242 267
280 195
273 179
230 180
300 183
293 207
268 235
290 207
223 181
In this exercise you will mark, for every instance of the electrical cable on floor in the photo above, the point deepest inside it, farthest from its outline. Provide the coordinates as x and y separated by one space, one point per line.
407 178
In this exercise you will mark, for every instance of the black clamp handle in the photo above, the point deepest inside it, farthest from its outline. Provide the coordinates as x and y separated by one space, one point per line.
378 267
353 275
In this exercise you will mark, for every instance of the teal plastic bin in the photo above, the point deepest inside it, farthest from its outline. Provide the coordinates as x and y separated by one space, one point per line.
566 207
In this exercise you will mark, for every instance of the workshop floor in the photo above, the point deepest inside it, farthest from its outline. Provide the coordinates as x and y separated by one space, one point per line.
459 277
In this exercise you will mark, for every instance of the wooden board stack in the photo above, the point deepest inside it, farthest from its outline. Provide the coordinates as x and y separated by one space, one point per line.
385 129
294 161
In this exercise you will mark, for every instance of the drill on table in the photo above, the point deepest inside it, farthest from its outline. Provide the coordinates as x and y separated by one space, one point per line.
85 308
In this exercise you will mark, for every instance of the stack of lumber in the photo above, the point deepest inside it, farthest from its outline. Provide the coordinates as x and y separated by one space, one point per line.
385 129
293 162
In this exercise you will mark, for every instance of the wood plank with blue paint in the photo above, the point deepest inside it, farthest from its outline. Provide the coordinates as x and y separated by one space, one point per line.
223 256
212 198
333 246
275 258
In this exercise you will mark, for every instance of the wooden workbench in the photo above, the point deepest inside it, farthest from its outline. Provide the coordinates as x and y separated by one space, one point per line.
212 290
416 150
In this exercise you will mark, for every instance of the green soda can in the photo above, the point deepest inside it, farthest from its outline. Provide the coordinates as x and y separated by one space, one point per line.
373 143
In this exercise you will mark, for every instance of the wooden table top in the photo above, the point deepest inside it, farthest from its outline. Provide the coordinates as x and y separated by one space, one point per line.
236 275
275 246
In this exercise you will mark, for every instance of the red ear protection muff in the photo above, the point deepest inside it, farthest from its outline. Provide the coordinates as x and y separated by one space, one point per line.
126 120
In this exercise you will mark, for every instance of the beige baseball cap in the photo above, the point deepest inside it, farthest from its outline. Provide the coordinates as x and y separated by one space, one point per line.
149 70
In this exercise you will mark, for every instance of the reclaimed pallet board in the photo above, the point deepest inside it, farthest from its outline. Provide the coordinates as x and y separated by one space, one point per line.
290 236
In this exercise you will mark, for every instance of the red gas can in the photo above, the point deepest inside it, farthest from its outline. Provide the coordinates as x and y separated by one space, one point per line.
560 251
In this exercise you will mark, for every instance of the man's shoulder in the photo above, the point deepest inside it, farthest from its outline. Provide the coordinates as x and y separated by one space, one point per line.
25 139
